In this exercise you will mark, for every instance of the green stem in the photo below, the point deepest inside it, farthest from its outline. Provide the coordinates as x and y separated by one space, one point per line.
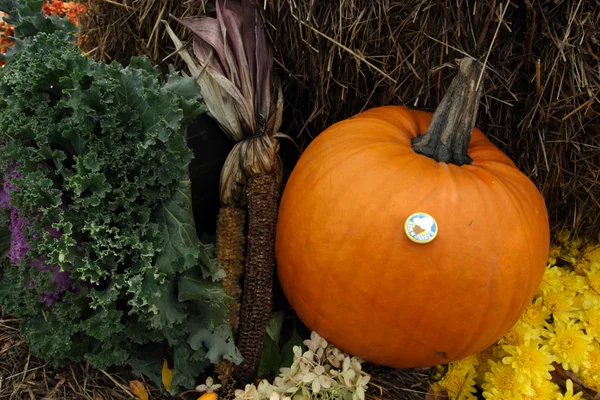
448 136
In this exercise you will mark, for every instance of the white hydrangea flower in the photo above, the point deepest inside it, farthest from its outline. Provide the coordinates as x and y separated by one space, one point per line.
208 386
322 369
335 357
250 393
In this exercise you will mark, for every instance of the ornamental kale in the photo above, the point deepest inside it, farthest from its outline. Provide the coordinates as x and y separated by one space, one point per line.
107 266
5 234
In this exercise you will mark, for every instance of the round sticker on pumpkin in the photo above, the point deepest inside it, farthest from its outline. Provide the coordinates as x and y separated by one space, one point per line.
421 228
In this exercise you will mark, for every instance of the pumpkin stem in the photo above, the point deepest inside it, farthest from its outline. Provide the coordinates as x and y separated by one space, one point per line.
449 134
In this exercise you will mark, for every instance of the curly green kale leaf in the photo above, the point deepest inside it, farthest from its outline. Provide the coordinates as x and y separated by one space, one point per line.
28 19
114 268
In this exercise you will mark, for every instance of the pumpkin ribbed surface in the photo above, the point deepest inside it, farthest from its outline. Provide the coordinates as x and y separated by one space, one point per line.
351 273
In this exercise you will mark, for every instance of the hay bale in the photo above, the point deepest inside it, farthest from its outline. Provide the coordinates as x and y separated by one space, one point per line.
397 384
541 103
116 30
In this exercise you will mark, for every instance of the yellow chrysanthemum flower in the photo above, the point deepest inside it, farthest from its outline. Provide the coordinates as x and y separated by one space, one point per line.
592 251
594 265
551 281
503 378
436 390
592 255
536 315
544 390
591 322
581 265
467 363
459 381
593 276
590 299
483 366
530 361
570 345
573 282
592 381
495 394
578 301
593 371
563 236
560 304
569 393
572 249
555 251
573 254
576 243
517 335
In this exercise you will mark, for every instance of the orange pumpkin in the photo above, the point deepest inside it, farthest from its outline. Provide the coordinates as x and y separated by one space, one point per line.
349 269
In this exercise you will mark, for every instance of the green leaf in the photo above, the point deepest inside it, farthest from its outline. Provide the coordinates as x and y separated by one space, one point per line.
41 335
193 287
76 142
129 93
170 311
287 352
209 262
94 183
179 249
274 325
103 324
148 360
143 64
207 299
189 91
270 358
107 355
186 361
41 192
219 343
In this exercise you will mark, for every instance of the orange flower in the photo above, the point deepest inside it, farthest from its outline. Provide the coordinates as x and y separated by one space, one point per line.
6 30
71 9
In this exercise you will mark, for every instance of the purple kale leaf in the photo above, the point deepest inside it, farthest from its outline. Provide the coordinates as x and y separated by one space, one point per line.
19 246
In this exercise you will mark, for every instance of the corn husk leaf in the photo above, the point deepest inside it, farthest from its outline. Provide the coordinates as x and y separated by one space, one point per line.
220 105
234 49
233 64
